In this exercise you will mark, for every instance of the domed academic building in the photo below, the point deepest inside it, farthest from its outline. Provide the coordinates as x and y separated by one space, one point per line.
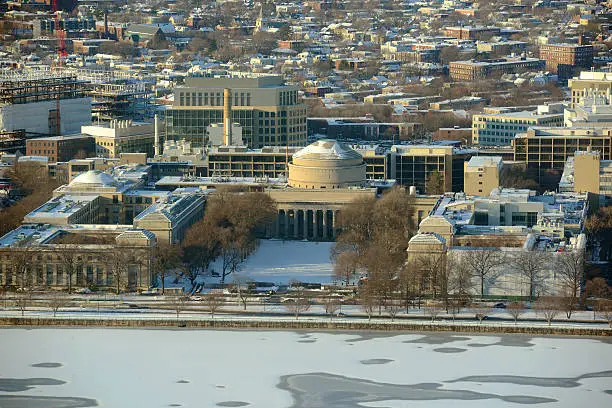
326 164
323 177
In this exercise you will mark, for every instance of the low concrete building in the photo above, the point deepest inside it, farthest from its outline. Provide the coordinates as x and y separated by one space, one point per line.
121 136
482 175
586 172
509 224
498 129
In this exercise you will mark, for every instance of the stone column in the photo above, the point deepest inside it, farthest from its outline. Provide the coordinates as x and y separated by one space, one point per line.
324 219
333 225
295 224
286 224
305 224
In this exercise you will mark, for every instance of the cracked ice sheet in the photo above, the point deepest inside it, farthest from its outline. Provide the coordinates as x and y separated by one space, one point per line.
121 367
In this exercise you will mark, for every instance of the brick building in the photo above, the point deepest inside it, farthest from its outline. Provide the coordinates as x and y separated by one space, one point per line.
471 33
60 148
565 59
491 68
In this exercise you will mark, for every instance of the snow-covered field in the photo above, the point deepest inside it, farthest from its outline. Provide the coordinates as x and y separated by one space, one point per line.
281 261
208 368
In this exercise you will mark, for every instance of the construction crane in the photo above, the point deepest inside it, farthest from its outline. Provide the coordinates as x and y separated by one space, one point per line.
61 54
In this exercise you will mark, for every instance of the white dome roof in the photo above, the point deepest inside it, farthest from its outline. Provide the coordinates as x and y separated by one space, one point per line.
94 178
326 149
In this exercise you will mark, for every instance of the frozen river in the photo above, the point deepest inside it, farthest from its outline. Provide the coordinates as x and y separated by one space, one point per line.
211 368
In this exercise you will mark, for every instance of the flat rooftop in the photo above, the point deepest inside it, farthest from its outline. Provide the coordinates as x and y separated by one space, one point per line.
29 234
61 206
204 181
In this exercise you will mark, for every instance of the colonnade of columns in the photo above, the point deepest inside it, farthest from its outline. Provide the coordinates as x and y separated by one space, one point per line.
311 224
86 275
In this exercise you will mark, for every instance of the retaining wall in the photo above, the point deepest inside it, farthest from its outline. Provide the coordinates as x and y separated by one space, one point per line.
221 323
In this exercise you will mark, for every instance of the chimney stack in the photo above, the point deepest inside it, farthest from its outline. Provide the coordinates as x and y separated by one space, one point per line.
157 149
227 117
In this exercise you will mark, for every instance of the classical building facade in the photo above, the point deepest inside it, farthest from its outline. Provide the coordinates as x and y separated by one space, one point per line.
323 178
35 256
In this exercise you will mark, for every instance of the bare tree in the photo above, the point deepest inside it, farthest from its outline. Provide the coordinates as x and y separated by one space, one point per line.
23 300
368 225
117 263
531 264
241 285
69 258
22 261
299 303
516 309
178 304
367 300
480 311
238 221
483 264
411 284
594 290
570 270
393 307
57 301
460 278
435 183
604 310
214 302
165 258
433 309
332 304
434 270
200 247
345 265
455 304
548 307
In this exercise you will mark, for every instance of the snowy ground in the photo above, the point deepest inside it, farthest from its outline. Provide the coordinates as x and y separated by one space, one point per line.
208 368
281 261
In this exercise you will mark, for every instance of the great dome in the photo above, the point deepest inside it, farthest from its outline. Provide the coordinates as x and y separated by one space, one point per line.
326 164
93 178
327 150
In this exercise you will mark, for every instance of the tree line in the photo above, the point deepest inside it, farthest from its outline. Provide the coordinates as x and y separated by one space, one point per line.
228 233
372 243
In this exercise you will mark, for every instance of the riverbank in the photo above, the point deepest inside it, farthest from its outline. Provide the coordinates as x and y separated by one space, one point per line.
287 323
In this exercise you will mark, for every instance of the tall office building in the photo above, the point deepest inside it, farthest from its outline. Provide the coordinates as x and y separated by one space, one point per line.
269 111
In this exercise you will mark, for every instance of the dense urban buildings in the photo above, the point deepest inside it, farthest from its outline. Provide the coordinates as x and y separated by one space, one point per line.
487 127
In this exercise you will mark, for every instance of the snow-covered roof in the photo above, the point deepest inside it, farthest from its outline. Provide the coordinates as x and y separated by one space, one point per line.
327 149
94 178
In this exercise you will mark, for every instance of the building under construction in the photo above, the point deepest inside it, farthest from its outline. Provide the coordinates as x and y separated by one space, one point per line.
120 101
11 142
30 101
117 94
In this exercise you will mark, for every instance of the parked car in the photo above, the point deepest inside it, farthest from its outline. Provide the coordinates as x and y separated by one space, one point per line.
500 305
